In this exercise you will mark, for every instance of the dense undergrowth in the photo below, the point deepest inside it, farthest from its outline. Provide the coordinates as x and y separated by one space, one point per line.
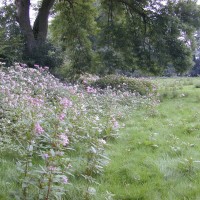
53 135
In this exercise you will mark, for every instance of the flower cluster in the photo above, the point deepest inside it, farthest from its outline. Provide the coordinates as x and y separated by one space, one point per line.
64 139
38 129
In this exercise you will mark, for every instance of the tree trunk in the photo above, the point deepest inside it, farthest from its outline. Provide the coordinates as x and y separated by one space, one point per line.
36 36
41 23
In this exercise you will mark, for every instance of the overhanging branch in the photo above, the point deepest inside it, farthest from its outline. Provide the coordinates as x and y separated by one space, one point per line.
135 7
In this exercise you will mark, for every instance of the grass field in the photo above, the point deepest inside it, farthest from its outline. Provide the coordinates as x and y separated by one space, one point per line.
158 153
156 157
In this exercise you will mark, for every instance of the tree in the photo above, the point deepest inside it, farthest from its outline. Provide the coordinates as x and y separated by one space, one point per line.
11 45
130 34
75 27
127 34
34 37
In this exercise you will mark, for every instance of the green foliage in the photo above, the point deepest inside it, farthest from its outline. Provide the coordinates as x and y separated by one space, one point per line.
48 54
105 36
57 134
12 45
145 35
141 86
74 26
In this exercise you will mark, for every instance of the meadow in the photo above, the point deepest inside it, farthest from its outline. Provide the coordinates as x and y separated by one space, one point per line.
158 155
62 141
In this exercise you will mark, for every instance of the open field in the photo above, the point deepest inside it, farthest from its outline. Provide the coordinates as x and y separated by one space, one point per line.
156 156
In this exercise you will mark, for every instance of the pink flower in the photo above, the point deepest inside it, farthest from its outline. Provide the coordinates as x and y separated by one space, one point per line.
45 156
36 66
61 116
46 68
85 81
23 65
38 129
64 179
115 123
64 139
41 69
91 90
52 168
66 102
35 101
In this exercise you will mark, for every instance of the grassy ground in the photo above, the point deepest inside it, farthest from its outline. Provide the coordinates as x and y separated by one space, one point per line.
157 156
158 153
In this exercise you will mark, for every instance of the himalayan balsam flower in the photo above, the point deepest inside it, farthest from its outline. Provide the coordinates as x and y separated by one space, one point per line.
115 123
64 139
64 179
23 65
73 90
91 90
61 116
66 103
36 66
46 68
52 168
85 82
38 129
45 156
35 101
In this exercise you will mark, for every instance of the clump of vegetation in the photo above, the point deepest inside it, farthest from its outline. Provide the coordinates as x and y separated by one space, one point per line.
56 134
123 83
197 85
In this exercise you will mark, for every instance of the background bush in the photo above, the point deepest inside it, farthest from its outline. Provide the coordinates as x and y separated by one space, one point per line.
122 83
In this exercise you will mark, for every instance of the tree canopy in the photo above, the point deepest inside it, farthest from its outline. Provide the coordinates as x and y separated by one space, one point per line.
104 35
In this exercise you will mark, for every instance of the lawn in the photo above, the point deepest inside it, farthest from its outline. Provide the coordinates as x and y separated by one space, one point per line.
158 154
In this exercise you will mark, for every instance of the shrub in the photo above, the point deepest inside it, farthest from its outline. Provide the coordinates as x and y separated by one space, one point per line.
197 85
122 83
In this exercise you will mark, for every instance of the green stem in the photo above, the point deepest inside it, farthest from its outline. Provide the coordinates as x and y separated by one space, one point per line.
49 187
25 175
